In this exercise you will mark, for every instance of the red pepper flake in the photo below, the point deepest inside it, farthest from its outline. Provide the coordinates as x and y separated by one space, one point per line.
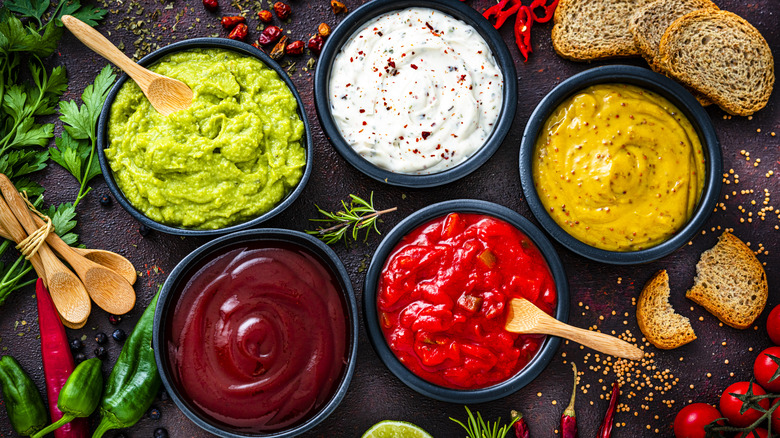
364 123
282 10
338 7
210 5
414 66
425 134
362 111
265 16
230 21
270 34
239 32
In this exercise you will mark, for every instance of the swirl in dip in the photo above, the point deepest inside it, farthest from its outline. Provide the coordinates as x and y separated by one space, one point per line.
259 336
619 167
443 295
416 91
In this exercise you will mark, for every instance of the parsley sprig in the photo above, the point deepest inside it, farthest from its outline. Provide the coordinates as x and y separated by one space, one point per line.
479 428
358 215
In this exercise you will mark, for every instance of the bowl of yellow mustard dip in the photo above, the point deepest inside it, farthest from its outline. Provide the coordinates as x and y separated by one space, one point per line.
620 164
237 156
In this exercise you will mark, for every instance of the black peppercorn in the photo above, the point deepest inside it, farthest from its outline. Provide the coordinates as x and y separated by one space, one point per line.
101 338
101 352
76 344
114 319
79 357
155 414
105 200
143 230
160 432
119 335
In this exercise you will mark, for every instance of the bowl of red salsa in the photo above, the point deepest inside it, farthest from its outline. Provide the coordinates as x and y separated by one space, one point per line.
436 296
255 334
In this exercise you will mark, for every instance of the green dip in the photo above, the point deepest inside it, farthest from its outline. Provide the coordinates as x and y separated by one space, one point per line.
231 156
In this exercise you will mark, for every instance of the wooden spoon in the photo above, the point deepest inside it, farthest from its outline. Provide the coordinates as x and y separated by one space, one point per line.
526 318
110 260
68 293
166 95
106 288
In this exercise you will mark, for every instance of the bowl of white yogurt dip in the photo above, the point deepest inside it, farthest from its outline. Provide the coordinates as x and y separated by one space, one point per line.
415 93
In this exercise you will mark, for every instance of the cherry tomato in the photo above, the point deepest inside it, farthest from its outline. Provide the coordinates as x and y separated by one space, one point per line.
730 405
773 325
764 368
690 421
759 433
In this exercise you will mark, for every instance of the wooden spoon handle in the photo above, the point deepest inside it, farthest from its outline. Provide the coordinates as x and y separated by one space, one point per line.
598 341
103 47
12 230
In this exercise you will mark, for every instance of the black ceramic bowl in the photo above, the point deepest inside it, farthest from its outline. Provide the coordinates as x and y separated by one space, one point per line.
201 43
672 91
375 335
171 293
353 23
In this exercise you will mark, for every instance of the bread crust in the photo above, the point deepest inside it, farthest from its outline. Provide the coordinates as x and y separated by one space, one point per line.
736 43
657 320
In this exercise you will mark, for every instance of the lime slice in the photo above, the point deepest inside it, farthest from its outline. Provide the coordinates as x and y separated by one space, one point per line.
395 429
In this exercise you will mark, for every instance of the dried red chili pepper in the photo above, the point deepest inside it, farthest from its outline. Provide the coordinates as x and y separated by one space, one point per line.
520 427
229 21
58 363
315 44
323 30
500 13
605 430
239 32
265 16
523 24
569 417
282 10
295 47
549 10
210 5
338 7
270 34
278 51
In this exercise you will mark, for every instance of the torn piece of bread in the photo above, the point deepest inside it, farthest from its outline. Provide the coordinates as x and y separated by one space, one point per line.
657 319
648 24
586 30
730 283
722 56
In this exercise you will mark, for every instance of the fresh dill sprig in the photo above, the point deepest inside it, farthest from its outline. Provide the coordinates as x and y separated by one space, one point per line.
478 428
358 215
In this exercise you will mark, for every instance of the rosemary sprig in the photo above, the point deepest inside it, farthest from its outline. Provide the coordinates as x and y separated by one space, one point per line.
478 428
358 215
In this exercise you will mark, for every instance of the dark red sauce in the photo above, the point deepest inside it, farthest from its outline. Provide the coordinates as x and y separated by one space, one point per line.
443 295
259 338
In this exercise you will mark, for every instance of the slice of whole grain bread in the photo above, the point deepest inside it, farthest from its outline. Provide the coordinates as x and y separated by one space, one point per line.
722 56
660 324
585 30
730 283
647 24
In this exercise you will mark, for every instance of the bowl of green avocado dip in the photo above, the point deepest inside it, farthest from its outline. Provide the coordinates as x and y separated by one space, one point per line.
239 155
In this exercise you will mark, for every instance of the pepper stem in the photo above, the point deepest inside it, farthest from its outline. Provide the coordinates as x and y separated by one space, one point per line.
66 418
104 426
569 411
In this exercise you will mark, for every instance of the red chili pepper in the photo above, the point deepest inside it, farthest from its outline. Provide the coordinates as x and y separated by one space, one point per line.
58 361
523 24
605 431
283 10
239 32
520 427
295 48
265 16
549 10
270 34
569 418
502 14
230 21
210 5
315 44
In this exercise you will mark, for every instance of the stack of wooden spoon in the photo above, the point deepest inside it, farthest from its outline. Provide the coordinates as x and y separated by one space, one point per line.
105 277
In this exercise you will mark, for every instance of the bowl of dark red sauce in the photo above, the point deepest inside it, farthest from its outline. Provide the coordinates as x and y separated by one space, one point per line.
255 334
437 293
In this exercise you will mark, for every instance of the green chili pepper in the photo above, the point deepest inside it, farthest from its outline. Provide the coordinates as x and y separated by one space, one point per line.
80 395
134 381
23 402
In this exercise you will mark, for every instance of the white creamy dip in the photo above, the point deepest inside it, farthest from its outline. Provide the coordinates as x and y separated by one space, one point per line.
416 91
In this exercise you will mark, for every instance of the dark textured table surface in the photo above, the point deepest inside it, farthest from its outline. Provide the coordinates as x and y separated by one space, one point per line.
601 295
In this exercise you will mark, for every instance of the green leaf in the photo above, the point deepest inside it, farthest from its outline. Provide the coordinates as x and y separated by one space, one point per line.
23 162
29 8
88 14
63 218
32 188
83 119
69 154
31 134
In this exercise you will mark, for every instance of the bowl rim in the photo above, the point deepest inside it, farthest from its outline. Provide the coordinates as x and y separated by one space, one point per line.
377 339
165 308
677 95
457 10
202 43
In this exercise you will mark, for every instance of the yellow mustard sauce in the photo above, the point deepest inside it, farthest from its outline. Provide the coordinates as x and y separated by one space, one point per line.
619 167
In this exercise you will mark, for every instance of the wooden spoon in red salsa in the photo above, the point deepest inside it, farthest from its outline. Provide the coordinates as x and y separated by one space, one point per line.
443 296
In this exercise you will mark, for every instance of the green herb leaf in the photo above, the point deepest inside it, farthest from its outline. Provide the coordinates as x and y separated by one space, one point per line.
359 214
63 218
29 8
83 119
88 14
69 154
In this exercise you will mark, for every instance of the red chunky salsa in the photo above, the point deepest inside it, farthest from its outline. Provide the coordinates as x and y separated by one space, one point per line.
443 295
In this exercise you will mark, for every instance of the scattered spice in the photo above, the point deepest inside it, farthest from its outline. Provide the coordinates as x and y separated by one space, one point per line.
210 5
323 30
229 21
295 48
278 51
338 7
239 32
315 44
265 16
283 10
270 34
